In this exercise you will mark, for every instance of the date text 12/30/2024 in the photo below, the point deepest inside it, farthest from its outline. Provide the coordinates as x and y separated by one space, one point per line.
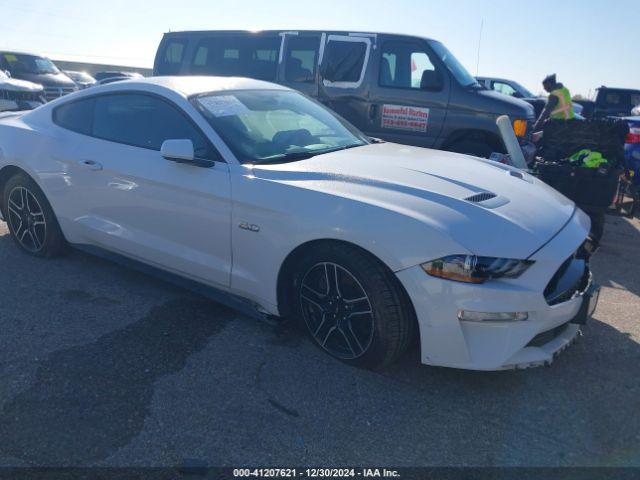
315 473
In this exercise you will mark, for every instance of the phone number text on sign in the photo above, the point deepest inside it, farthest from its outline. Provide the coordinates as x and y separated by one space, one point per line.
402 117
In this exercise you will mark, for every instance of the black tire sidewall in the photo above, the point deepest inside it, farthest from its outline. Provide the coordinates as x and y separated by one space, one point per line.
374 280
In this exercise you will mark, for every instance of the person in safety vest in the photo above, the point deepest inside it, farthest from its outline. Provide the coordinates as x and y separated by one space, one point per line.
559 104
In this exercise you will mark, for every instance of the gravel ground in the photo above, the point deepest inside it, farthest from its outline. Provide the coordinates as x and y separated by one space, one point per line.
101 365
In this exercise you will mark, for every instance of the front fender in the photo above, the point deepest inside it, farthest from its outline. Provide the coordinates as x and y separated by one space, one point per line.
288 216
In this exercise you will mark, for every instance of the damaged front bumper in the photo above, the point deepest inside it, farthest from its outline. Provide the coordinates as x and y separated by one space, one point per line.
556 293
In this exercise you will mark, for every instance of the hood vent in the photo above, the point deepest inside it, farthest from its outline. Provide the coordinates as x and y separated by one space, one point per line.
481 197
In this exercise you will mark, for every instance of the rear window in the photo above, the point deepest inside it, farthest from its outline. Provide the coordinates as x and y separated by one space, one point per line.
243 56
619 99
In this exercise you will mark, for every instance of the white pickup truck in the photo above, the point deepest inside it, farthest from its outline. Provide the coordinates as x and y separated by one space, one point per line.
19 94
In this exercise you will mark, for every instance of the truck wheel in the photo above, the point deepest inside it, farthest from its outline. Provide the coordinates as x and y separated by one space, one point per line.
471 147
352 306
30 219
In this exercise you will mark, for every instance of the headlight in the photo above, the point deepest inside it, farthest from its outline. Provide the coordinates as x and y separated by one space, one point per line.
472 269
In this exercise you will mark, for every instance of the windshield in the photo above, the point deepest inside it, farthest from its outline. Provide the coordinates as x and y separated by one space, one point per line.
29 64
460 73
525 93
262 126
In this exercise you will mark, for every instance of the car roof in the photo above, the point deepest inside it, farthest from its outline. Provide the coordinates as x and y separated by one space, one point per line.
193 85
17 52
291 30
625 90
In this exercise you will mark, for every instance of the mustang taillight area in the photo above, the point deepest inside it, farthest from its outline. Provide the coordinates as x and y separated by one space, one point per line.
474 269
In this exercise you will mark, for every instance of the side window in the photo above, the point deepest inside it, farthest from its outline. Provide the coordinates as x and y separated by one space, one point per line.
403 65
172 57
217 56
254 57
262 58
301 59
144 121
75 116
420 63
503 88
612 98
344 61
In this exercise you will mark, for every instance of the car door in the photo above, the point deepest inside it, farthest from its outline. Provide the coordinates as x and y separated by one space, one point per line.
131 200
410 96
344 65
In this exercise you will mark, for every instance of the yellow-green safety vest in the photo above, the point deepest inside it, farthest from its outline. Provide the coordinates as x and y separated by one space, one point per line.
564 110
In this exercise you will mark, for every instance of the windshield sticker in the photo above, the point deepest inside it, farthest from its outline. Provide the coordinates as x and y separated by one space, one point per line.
223 105
401 117
10 58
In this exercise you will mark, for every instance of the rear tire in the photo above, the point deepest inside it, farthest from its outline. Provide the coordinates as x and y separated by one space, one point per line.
352 306
30 219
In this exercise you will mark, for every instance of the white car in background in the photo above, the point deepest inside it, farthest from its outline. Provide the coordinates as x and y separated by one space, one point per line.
19 94
256 191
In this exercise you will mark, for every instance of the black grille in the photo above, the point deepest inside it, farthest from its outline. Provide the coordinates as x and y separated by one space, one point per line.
52 93
18 96
572 277
545 337
481 197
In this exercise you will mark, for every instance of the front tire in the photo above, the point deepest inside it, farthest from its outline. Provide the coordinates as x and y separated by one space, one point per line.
30 219
352 306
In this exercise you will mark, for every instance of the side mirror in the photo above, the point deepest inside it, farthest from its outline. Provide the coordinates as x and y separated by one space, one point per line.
178 150
431 81
517 95
7 73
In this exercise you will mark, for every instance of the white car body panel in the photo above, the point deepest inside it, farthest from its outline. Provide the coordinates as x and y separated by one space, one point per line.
160 212
405 205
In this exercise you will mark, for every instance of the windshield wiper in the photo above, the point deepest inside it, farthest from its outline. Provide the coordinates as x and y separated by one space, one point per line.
294 156
286 157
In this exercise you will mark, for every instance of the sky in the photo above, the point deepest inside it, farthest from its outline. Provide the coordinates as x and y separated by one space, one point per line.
587 43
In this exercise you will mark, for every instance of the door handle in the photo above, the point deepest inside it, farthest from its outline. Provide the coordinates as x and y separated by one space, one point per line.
373 112
90 164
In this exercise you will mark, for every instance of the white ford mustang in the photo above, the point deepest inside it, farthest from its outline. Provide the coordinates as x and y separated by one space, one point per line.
253 190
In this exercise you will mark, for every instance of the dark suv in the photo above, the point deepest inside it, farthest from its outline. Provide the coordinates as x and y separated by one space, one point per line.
37 69
612 102
399 88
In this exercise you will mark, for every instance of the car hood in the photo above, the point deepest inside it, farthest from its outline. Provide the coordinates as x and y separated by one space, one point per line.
437 188
47 79
501 104
13 85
